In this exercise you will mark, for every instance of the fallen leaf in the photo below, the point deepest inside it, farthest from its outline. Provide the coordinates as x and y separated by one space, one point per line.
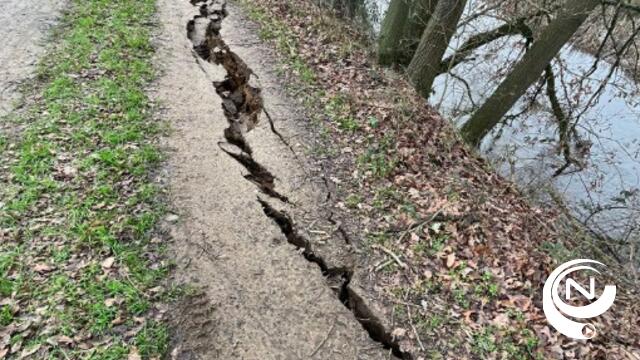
64 340
43 268
108 262
501 320
398 333
451 260
172 218
17 346
428 274
69 171
134 355
29 351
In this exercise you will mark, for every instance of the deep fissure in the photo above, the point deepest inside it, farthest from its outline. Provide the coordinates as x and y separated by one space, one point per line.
341 276
242 105
241 102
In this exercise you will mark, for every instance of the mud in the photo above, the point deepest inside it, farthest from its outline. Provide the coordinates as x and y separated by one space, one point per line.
275 267
22 32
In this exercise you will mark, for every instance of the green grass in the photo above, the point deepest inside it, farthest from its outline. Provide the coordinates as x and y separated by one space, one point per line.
353 200
376 159
285 42
338 110
490 341
75 190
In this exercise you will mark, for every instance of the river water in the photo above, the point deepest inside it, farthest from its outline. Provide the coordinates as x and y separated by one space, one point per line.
525 149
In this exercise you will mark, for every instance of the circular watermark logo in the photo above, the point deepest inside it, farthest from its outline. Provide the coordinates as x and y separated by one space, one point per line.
557 311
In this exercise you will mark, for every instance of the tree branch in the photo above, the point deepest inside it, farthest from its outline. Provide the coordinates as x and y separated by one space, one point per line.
622 5
517 27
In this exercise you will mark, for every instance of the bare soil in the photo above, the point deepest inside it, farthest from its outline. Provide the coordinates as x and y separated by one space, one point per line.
22 29
252 233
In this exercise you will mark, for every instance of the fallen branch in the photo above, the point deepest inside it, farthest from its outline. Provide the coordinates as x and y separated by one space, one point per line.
390 253
415 331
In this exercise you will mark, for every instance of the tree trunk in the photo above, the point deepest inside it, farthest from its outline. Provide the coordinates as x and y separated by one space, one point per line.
425 65
419 15
528 70
392 32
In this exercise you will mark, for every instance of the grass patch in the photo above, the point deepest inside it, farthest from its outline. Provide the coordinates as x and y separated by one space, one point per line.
77 206
376 159
490 342
339 112
285 42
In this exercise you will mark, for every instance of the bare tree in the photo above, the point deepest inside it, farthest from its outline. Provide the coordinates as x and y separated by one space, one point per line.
425 65
392 32
402 27
529 69
419 16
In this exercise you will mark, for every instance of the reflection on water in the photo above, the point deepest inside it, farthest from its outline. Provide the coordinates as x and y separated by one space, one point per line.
526 149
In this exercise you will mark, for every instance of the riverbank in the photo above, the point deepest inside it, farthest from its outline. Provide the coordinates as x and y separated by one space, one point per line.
307 203
456 255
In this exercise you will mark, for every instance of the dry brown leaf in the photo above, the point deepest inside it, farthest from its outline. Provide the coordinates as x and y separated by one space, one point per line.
451 260
15 347
43 268
134 354
501 320
64 340
398 333
428 274
108 262
69 171
30 351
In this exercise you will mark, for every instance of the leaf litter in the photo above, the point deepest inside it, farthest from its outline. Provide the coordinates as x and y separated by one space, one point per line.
457 255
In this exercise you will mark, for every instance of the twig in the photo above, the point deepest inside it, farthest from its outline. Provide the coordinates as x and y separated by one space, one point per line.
619 3
323 341
390 253
433 217
382 265
414 329
66 356
318 232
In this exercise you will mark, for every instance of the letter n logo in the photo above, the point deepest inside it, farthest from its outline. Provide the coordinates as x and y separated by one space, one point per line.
590 295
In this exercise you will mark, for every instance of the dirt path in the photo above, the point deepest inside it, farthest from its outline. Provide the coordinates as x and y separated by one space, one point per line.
273 290
22 28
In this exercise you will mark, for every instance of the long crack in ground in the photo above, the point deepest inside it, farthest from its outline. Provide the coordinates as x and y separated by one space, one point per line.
242 104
